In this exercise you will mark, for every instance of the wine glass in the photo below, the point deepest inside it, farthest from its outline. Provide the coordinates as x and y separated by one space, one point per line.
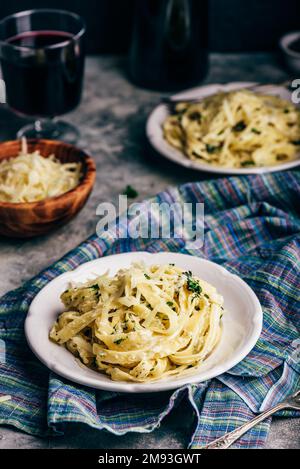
42 59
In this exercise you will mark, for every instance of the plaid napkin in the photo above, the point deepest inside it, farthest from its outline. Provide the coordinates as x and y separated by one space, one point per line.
252 227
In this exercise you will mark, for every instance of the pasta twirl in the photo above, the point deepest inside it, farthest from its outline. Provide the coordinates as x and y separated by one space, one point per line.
143 324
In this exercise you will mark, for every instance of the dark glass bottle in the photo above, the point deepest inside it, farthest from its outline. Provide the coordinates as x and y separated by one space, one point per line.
169 47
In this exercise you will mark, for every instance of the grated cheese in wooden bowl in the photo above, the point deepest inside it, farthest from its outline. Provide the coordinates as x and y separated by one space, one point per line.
29 177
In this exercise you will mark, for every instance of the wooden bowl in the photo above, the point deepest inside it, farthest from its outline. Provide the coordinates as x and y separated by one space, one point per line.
25 220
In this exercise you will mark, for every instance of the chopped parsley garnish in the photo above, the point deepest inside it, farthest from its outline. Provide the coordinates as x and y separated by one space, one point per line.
118 341
286 111
211 148
247 163
130 192
206 296
96 290
170 303
255 131
193 284
194 116
147 276
239 127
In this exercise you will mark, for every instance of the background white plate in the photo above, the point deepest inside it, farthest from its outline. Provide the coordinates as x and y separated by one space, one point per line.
158 115
241 324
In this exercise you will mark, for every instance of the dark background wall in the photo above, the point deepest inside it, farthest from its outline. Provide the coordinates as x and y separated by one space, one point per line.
235 25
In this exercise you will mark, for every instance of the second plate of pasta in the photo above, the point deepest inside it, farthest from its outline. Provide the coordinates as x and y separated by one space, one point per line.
229 129
141 322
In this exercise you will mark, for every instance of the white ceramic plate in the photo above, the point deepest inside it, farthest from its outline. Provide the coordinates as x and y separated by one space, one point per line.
241 324
158 115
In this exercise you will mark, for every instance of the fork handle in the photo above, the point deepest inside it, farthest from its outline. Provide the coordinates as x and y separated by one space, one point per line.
171 100
227 440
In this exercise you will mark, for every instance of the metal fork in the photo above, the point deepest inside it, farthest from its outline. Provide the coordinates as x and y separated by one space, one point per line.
171 102
225 441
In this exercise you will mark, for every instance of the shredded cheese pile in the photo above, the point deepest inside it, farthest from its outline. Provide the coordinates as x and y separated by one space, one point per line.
236 129
143 324
29 177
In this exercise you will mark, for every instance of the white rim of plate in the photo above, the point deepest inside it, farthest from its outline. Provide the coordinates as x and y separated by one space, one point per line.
164 385
155 135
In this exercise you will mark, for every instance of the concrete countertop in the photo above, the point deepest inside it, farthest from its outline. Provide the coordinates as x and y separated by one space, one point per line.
112 119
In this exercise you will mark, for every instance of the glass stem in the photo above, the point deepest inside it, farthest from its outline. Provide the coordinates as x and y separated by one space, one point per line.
44 126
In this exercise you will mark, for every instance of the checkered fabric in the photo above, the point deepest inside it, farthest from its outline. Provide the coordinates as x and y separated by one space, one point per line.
252 227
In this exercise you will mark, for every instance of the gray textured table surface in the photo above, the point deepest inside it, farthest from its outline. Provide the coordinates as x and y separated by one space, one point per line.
112 120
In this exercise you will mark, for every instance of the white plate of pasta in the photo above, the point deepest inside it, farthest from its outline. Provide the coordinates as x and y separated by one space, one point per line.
141 322
229 129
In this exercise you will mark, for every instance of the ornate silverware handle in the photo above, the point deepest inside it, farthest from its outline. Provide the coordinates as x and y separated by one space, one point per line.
227 440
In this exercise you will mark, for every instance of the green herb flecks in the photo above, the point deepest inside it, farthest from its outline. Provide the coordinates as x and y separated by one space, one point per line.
118 341
195 116
130 192
193 284
239 127
96 290
211 148
147 276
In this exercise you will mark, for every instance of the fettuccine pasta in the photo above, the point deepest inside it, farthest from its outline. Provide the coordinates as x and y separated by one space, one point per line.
236 129
143 324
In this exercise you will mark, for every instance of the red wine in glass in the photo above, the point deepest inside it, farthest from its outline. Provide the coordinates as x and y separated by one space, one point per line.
43 86
43 74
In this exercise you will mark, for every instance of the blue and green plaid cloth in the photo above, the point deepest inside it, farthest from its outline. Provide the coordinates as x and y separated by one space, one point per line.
252 227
